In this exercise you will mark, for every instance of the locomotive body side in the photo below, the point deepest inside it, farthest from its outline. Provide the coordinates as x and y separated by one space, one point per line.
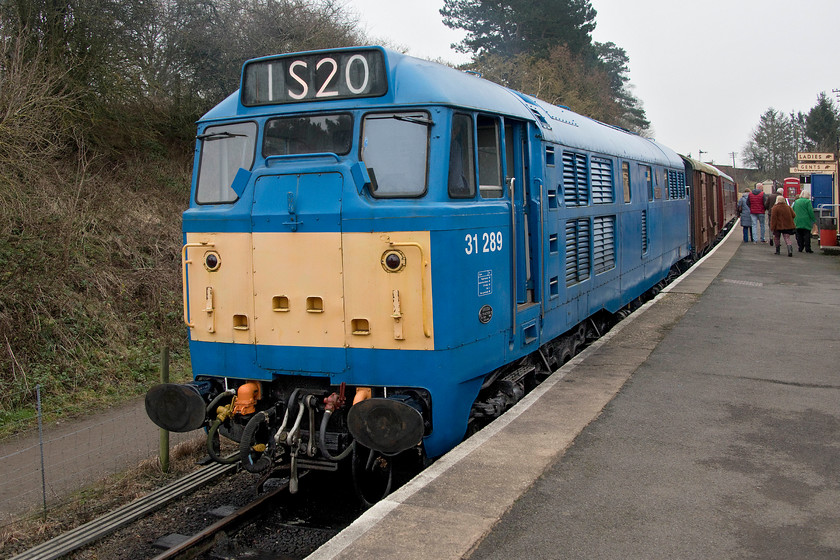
367 223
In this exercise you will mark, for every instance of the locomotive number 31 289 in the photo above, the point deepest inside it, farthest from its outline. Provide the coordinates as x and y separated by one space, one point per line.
490 243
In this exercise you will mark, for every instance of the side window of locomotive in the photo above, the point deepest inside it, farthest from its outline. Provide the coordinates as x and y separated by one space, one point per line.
395 150
489 158
648 175
315 134
461 158
224 149
625 179
657 185
665 190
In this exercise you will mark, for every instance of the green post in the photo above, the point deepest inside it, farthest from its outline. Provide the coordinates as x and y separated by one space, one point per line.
164 434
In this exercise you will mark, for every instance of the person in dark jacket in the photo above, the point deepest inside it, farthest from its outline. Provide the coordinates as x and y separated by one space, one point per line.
756 199
804 221
782 224
743 208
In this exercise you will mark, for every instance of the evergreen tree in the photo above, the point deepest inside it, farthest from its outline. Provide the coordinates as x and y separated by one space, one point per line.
797 128
771 147
822 125
553 36
512 27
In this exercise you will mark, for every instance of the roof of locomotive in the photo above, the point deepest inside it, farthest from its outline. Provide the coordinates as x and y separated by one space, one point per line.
413 81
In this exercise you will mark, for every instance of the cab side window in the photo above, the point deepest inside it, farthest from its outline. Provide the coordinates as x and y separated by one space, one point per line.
489 158
461 158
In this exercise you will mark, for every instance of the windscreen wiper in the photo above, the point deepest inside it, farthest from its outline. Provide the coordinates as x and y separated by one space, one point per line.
404 118
217 135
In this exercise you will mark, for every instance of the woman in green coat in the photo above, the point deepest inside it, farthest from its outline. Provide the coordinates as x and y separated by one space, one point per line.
803 221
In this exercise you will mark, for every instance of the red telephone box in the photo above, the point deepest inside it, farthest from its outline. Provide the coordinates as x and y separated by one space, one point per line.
792 187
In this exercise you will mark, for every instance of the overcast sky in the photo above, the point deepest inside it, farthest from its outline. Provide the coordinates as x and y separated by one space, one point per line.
704 71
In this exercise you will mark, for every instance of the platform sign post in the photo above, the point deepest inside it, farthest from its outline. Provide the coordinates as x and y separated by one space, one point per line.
815 157
820 163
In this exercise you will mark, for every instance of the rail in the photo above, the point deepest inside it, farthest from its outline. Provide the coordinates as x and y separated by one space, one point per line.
823 207
205 540
107 524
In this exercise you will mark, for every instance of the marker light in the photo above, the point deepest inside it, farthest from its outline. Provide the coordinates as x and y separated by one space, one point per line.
212 262
393 260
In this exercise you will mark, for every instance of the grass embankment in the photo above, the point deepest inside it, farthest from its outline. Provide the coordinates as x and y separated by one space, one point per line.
90 275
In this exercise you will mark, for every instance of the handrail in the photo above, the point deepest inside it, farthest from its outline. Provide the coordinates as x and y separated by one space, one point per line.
422 278
541 267
822 207
184 263
511 189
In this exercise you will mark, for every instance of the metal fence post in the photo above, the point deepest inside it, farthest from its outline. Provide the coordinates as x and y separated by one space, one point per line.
164 434
41 443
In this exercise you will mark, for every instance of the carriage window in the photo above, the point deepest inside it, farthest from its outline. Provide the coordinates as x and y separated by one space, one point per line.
489 158
224 150
461 158
625 178
315 134
395 149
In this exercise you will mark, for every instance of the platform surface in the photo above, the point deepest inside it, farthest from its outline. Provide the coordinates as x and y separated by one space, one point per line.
704 426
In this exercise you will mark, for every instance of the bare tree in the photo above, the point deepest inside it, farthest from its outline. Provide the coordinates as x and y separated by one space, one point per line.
33 107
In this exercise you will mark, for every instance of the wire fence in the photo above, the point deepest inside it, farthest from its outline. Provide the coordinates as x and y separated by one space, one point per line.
40 469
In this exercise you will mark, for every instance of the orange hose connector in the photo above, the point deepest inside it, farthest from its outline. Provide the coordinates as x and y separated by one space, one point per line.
246 398
362 394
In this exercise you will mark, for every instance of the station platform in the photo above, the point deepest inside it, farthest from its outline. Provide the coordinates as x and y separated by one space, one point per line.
703 426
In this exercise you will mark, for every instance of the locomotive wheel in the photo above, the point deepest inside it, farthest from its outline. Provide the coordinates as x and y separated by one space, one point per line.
373 474
565 350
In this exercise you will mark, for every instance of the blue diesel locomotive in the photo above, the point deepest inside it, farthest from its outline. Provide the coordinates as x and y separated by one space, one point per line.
382 253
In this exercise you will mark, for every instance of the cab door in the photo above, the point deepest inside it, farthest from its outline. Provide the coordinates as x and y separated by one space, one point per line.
525 220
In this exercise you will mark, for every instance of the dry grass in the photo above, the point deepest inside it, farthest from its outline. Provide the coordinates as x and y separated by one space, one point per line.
89 262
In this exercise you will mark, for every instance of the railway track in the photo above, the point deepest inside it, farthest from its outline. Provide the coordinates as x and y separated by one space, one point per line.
206 539
99 528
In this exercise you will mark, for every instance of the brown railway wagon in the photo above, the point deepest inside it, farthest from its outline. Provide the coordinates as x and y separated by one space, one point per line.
713 196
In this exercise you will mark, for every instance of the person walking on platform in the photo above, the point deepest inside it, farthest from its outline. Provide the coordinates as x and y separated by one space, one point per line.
743 209
769 201
782 224
756 199
804 220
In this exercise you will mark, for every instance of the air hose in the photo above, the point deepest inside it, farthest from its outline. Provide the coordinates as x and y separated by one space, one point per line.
212 406
322 441
211 435
247 450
